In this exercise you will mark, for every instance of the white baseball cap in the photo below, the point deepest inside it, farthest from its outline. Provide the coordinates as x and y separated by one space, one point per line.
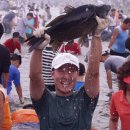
64 58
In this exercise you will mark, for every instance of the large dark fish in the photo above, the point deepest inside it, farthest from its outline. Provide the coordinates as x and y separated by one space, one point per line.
78 22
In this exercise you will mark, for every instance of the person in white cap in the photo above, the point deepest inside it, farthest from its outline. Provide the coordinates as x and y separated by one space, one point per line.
66 109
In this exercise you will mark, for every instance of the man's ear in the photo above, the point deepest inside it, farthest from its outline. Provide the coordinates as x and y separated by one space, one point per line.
52 74
77 75
78 72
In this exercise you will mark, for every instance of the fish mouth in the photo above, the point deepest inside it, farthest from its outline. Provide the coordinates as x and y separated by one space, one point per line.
103 10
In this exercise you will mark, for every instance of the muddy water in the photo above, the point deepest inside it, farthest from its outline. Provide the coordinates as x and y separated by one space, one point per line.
101 114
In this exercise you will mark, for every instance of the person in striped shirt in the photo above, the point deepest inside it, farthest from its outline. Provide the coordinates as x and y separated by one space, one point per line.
47 56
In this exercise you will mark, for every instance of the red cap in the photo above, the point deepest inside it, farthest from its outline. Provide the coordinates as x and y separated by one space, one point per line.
127 79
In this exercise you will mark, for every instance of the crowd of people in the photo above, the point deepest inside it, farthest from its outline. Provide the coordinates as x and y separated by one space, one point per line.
64 92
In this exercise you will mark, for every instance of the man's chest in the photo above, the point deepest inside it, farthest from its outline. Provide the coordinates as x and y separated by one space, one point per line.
65 112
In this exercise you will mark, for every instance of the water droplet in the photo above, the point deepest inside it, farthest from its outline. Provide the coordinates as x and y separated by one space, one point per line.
67 99
69 72
70 89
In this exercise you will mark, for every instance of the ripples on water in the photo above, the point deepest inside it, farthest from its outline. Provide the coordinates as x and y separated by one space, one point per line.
101 114
23 127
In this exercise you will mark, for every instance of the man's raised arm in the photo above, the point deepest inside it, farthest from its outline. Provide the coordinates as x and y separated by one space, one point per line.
36 81
92 75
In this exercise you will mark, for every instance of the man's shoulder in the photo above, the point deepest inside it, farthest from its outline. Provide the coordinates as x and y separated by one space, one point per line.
117 29
118 95
24 20
18 43
4 50
81 93
13 68
9 40
114 58
46 97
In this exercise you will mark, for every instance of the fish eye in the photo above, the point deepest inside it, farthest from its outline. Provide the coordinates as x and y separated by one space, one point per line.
86 9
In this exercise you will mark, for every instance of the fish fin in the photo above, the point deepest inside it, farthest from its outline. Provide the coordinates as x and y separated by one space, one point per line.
68 9
82 13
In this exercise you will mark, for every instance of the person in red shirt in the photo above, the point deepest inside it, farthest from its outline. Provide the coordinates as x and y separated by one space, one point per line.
13 43
71 47
120 101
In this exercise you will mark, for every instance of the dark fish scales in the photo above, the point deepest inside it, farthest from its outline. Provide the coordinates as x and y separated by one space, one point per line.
79 22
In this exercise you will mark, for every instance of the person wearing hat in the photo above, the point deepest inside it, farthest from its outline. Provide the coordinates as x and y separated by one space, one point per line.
120 101
13 43
66 109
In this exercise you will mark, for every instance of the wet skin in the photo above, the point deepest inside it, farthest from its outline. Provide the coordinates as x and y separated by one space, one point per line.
65 78
126 26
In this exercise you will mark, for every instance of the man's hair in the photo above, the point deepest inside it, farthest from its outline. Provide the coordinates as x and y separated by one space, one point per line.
123 72
112 10
16 34
14 57
81 69
30 14
127 43
126 21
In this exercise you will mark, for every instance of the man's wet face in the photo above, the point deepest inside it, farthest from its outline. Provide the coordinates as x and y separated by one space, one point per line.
65 78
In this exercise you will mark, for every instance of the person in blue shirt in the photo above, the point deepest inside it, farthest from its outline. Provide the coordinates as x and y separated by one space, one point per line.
14 76
80 80
30 21
120 35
